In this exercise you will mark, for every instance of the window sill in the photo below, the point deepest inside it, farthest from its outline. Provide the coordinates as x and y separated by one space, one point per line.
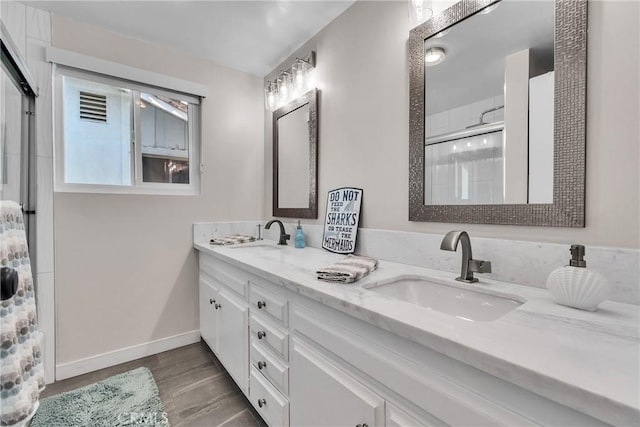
141 189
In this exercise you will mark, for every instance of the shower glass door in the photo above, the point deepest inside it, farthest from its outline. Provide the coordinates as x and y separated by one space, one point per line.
17 155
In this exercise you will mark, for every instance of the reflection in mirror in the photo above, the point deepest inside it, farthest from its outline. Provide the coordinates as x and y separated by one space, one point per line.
295 158
531 170
489 107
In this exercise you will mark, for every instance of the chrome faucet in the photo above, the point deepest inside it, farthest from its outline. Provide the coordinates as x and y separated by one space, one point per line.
283 236
469 265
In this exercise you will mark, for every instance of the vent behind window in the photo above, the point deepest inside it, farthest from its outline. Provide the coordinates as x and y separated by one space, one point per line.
93 107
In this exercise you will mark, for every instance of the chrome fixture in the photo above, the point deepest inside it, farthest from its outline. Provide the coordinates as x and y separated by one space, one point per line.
290 83
259 232
481 121
419 12
283 236
434 56
469 265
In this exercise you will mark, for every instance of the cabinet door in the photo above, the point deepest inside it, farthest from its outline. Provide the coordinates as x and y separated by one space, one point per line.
397 417
208 314
233 337
322 393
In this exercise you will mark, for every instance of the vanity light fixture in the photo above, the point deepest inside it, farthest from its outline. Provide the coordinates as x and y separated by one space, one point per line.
270 94
419 12
289 83
434 56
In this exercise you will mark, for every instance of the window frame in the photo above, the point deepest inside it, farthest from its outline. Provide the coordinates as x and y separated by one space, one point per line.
137 185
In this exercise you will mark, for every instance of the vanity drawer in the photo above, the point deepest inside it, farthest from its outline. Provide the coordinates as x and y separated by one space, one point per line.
272 406
230 276
270 334
265 361
268 302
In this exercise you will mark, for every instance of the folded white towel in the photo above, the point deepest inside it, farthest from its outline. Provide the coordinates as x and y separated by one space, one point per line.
232 240
348 270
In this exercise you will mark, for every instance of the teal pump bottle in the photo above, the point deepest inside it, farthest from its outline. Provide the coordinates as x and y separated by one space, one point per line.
299 238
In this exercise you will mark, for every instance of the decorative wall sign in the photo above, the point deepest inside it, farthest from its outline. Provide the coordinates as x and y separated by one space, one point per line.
342 219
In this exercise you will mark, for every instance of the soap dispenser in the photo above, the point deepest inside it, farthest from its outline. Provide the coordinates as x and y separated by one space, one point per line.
575 285
299 238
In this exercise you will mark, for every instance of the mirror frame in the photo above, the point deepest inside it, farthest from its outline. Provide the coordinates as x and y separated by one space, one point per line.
312 211
570 65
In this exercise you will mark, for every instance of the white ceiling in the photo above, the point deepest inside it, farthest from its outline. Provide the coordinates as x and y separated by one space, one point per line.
477 47
250 36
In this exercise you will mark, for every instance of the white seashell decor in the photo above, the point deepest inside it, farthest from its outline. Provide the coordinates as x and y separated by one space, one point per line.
578 287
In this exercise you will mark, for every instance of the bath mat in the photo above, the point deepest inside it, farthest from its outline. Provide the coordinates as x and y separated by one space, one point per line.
128 399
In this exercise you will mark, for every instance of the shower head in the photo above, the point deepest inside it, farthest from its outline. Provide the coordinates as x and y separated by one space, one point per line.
481 121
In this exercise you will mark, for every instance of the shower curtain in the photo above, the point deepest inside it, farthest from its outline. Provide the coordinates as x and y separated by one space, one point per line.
21 370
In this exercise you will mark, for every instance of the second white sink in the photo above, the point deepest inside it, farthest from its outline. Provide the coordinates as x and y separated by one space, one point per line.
452 299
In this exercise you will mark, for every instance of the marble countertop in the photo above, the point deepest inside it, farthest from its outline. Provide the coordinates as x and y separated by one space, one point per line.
588 361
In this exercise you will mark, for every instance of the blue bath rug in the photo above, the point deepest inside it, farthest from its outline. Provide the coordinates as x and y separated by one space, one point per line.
129 399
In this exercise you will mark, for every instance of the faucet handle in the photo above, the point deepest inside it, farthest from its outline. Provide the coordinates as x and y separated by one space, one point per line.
479 266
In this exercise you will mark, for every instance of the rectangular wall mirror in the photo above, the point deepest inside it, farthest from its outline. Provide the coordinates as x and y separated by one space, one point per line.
295 154
497 114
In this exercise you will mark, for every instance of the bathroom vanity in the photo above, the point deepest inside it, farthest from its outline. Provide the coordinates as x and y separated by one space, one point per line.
307 352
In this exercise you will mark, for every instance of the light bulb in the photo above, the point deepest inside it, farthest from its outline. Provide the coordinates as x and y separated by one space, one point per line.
422 13
270 93
299 70
284 88
434 56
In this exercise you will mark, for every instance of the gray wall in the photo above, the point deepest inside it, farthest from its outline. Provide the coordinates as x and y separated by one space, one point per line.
363 114
125 270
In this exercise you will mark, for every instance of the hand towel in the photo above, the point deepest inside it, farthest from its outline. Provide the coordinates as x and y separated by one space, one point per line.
232 240
348 270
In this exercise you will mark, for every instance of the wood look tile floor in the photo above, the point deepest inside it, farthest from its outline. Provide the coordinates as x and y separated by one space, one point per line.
194 387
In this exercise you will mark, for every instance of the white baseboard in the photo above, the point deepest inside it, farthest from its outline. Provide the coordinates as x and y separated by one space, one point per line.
112 358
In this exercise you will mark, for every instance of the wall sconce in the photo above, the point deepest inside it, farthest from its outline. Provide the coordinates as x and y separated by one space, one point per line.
290 83
419 12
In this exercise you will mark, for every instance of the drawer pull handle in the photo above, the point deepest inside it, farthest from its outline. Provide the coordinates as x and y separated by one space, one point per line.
261 402
262 364
261 334
262 304
211 301
362 425
217 306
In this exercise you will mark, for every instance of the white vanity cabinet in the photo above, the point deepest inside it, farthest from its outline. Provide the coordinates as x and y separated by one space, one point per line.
233 339
208 314
324 394
301 362
224 319
269 354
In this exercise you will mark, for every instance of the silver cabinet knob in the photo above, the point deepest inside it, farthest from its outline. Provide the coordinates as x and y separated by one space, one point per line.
262 304
261 334
211 301
217 306
261 364
261 402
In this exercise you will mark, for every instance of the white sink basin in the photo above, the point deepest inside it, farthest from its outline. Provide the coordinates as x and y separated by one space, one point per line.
449 298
